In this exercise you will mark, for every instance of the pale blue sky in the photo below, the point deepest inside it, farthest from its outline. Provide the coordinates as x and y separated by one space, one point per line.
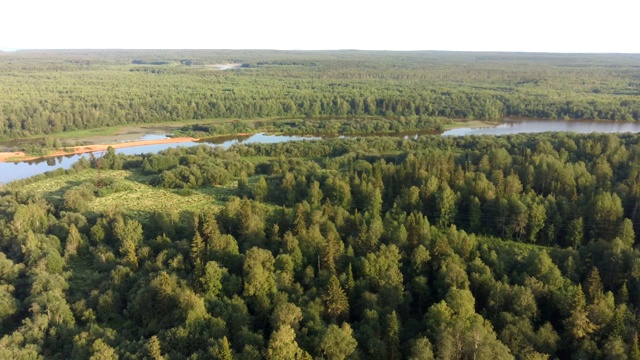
491 25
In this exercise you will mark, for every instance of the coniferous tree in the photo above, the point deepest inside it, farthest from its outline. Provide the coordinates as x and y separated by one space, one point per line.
154 349
392 336
335 299
197 250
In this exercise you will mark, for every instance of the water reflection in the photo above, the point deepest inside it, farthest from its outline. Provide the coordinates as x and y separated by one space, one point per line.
522 126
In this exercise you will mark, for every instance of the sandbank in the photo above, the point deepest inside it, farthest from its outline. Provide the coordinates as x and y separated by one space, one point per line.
21 156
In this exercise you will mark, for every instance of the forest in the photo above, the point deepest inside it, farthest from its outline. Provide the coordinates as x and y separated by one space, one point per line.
476 247
49 92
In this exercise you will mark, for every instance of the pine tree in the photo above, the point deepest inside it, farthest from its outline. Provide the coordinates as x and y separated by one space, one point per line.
223 350
349 281
623 294
331 251
153 348
578 324
210 231
593 286
392 336
197 250
335 299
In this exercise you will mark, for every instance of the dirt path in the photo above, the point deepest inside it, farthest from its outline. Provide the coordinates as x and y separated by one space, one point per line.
21 156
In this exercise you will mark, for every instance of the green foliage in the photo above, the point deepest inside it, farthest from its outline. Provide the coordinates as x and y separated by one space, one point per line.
421 350
477 247
283 345
337 342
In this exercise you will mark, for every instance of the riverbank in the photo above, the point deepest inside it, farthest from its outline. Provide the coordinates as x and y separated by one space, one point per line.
129 136
74 150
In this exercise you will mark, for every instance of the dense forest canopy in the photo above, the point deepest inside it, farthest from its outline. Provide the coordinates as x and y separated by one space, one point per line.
44 92
476 247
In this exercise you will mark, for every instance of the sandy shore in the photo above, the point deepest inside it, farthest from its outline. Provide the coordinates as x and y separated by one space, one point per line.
21 156
225 66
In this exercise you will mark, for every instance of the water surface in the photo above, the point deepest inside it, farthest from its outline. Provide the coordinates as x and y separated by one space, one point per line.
25 169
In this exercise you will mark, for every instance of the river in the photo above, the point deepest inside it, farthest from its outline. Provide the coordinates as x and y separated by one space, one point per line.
11 171
519 126
21 170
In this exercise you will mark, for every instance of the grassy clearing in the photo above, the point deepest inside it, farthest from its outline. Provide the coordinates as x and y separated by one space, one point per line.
54 188
143 199
81 134
114 130
140 200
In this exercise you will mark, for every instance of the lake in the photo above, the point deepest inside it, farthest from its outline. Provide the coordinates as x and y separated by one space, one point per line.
21 170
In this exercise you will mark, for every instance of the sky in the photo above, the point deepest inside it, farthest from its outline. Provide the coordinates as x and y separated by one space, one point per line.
461 25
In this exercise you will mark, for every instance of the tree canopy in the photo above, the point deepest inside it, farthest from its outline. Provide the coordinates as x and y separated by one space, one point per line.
487 247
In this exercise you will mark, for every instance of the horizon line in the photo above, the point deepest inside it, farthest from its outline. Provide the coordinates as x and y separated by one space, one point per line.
11 49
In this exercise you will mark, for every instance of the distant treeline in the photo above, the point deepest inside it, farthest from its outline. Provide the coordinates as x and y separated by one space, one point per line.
49 92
